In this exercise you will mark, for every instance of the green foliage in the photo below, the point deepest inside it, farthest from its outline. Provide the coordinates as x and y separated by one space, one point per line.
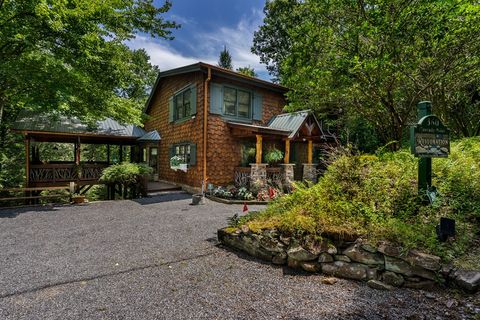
375 197
125 173
248 71
376 60
273 156
225 59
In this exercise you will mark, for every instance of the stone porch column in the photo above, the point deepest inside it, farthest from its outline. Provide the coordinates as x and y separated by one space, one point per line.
310 172
258 175
287 174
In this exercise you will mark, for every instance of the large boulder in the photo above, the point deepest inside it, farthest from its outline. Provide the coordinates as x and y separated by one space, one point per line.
356 253
379 285
280 258
246 243
465 279
325 258
310 266
398 266
389 249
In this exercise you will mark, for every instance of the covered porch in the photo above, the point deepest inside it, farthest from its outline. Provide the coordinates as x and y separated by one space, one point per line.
301 138
64 152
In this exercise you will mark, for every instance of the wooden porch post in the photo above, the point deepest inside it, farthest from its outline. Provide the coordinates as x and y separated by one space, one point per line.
286 159
310 152
259 149
27 160
77 151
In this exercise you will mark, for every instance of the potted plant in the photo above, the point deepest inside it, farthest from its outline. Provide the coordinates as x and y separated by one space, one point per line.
274 156
175 162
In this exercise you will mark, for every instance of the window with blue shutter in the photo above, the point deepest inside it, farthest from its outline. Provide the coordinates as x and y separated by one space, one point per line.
257 106
235 102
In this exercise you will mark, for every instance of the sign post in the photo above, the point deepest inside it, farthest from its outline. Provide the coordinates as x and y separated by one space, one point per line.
429 138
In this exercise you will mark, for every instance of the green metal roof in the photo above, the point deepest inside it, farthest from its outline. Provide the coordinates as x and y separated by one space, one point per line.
293 121
55 123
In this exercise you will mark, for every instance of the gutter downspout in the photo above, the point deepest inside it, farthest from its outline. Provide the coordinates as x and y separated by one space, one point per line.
205 123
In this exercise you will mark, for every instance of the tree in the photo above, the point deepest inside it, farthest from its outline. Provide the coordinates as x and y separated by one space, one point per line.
376 59
225 60
71 57
248 71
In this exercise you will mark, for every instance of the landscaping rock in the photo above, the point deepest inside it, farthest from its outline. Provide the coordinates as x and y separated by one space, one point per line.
397 266
272 245
331 249
372 274
294 264
379 285
310 266
389 249
286 240
369 248
342 269
325 258
357 254
424 260
393 279
244 243
341 257
467 280
329 280
423 284
314 245
300 254
280 258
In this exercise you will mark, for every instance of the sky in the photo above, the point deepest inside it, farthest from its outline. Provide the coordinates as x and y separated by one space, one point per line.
206 26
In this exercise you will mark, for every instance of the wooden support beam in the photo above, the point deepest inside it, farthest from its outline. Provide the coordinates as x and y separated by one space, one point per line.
27 161
310 152
77 151
286 159
258 157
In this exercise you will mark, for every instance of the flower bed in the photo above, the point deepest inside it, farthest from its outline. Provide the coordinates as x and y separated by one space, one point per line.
232 193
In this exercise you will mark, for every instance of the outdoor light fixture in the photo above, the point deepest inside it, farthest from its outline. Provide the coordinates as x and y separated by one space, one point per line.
445 229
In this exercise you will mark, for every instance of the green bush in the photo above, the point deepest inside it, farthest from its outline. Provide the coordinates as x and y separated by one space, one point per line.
375 197
125 173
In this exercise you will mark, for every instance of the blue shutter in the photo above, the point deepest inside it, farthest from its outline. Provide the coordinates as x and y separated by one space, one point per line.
193 154
170 110
257 106
193 100
216 98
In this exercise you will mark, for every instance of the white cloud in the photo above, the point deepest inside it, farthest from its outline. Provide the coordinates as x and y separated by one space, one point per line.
207 46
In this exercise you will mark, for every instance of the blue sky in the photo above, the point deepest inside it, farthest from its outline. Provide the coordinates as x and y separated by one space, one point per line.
207 25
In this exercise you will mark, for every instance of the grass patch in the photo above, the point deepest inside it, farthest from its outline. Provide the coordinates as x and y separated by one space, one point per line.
375 197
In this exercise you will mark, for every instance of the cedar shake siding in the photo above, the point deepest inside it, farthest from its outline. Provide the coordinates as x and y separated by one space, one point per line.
223 150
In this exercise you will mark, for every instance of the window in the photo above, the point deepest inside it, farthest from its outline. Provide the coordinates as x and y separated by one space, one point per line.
237 103
186 151
182 104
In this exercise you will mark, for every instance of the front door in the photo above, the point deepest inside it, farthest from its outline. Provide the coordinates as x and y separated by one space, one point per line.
153 159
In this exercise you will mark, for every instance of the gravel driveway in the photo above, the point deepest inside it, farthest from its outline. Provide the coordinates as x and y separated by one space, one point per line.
158 258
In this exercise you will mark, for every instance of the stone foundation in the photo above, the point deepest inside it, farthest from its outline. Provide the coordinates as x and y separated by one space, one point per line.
383 266
310 172
258 175
287 170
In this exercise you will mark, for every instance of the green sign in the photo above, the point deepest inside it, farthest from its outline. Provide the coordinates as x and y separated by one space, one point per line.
431 139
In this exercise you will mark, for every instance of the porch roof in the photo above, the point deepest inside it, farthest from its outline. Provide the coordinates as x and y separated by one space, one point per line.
62 128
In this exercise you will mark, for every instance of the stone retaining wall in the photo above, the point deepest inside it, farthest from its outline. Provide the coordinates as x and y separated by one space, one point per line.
383 266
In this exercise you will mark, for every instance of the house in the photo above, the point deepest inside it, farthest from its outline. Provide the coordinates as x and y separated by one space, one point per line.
212 118
221 125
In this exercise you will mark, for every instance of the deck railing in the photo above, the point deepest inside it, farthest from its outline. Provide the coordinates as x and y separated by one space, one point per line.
55 173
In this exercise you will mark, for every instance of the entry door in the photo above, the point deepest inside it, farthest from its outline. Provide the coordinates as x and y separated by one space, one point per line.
153 159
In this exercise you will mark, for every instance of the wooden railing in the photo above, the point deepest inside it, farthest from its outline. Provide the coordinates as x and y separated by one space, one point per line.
55 173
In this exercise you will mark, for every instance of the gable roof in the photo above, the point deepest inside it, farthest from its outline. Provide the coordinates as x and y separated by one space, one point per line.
215 70
293 121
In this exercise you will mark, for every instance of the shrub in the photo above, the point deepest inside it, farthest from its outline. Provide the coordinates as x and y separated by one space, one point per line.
375 197
125 173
